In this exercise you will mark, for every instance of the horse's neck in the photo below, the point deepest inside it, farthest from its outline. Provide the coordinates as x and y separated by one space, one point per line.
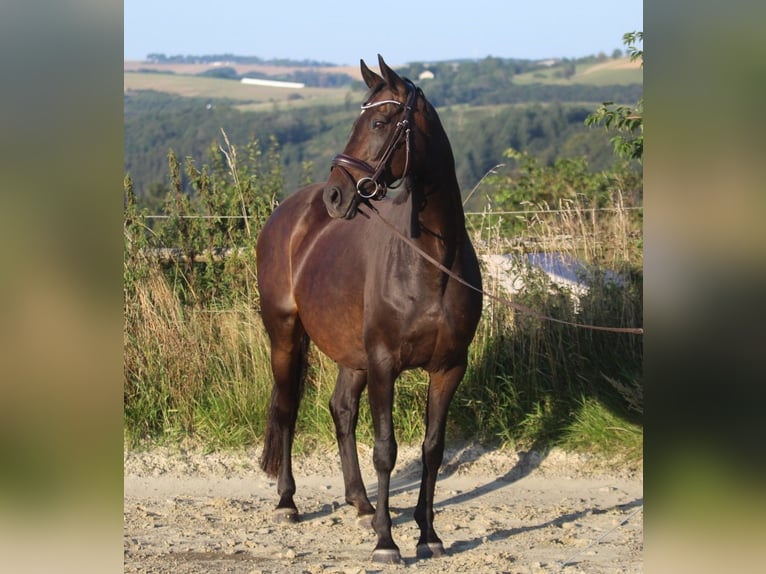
439 226
441 208
436 220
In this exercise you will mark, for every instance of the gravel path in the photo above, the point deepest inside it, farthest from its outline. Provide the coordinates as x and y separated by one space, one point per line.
497 511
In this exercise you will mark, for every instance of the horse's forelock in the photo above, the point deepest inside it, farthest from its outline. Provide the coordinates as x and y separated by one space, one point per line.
372 92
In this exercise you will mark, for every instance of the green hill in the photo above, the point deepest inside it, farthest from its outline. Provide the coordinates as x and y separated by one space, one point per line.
487 106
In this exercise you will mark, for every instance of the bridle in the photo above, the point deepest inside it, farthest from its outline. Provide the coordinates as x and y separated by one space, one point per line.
344 162
374 180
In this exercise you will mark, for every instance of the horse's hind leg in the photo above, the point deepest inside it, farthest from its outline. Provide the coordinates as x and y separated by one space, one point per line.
288 355
344 406
441 389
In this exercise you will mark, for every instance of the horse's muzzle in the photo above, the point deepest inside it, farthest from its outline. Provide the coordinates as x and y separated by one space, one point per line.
336 207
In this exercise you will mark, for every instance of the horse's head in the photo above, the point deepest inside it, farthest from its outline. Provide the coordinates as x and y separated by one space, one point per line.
380 149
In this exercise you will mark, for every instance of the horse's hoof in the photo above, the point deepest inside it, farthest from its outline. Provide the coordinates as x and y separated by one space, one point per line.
387 556
285 515
430 550
364 521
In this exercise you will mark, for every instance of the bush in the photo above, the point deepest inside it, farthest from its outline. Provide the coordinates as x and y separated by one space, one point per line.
197 357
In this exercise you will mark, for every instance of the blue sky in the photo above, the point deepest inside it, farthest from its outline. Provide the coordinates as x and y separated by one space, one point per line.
343 31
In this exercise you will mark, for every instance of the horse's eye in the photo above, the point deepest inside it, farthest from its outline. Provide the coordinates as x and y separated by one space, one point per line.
378 124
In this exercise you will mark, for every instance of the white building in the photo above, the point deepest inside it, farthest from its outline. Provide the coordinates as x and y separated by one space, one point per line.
272 83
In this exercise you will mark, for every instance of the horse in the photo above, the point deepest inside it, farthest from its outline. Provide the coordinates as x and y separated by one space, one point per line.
363 290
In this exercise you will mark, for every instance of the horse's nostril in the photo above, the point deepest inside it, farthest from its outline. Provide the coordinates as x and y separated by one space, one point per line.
333 201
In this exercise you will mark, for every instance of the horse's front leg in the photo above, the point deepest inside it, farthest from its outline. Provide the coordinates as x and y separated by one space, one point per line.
344 406
441 389
381 393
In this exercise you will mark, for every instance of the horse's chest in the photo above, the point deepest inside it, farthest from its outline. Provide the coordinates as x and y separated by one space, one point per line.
414 335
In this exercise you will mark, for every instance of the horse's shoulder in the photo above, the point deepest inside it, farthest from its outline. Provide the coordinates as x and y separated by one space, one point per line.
300 205
304 196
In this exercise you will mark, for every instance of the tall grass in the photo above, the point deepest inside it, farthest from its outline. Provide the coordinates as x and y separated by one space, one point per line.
197 358
199 372
530 380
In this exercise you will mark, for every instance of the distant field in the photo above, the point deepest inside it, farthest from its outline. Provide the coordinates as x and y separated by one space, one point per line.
181 79
191 69
618 71
611 72
252 97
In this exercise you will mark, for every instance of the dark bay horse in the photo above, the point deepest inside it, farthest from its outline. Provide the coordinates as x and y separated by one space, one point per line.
367 299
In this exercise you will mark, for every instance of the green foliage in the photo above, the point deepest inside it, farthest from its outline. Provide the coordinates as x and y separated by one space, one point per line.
533 382
631 40
229 201
196 355
158 57
627 121
524 183
191 326
225 72
157 122
532 183
483 109
545 132
491 81
527 376
596 429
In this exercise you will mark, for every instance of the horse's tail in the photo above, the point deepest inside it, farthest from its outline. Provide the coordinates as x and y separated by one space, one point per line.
283 412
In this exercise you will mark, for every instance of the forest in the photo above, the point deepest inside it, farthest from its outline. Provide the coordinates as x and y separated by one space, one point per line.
484 110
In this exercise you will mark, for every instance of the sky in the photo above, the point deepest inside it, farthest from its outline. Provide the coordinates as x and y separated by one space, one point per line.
343 31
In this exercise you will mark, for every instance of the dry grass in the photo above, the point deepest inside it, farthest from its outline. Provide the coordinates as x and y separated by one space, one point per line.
531 380
192 371
199 366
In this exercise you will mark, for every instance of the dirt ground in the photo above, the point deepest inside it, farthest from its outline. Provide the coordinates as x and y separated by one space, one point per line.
496 511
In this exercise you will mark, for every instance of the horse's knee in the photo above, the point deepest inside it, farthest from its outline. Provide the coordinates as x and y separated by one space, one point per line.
338 408
433 452
384 455
344 417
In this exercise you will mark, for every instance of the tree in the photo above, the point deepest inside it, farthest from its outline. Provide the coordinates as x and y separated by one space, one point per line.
629 122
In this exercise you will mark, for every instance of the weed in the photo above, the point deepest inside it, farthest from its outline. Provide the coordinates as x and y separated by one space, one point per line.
197 364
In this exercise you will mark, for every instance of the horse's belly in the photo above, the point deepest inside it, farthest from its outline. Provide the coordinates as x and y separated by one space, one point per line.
332 319
345 348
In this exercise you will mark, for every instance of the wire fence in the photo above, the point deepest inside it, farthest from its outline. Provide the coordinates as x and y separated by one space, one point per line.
467 213
524 241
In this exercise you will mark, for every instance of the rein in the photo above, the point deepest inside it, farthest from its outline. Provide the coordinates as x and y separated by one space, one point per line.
503 300
403 129
344 162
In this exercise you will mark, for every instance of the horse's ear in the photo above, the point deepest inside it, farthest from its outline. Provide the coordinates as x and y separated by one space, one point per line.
370 77
392 78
